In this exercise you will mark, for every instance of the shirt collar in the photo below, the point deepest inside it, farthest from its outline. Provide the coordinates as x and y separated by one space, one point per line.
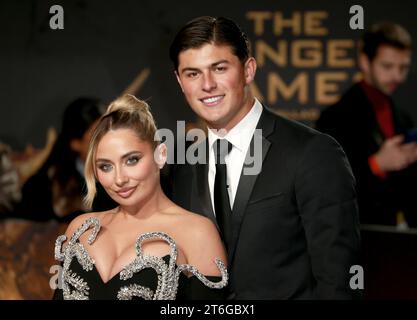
241 134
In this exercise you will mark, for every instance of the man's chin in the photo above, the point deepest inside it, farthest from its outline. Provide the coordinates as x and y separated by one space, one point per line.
389 89
213 121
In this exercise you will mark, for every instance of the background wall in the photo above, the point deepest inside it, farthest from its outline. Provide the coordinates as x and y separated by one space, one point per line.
105 45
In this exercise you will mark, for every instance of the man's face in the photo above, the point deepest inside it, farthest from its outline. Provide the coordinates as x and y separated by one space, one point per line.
388 69
215 84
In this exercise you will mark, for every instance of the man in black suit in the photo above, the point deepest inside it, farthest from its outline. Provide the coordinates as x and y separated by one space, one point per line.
371 130
282 194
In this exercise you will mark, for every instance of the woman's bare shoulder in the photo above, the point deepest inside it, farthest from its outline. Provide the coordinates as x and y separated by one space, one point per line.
194 221
79 220
188 215
202 242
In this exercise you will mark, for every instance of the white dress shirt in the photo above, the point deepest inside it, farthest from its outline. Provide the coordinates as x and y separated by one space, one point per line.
240 137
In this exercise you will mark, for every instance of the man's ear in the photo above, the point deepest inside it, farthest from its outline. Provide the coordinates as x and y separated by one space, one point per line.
250 70
160 155
179 80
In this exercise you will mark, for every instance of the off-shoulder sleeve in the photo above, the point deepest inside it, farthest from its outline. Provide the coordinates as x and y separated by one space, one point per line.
191 288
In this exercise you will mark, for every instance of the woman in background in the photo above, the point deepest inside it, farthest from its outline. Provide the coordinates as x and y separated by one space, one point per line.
57 189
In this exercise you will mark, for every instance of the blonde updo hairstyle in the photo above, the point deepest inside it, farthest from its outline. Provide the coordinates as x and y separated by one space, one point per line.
126 112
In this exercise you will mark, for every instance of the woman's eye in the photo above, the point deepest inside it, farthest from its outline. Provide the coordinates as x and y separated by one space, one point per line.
132 160
105 167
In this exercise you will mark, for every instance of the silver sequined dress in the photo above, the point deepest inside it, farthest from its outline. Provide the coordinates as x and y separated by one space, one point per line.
146 277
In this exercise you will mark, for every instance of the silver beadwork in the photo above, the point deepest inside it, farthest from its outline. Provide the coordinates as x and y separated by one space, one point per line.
58 248
78 283
75 248
214 285
134 290
168 274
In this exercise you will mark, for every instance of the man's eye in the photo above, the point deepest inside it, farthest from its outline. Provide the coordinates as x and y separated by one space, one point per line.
132 160
405 69
221 69
192 74
105 167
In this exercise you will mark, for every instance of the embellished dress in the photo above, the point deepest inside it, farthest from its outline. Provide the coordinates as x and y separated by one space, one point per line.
146 277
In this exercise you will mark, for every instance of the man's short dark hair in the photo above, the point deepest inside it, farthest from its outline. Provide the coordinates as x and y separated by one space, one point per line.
384 33
205 30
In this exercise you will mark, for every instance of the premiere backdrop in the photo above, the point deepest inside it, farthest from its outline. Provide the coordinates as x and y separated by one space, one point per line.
306 55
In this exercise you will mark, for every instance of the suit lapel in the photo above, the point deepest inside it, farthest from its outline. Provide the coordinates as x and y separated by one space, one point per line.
203 191
246 182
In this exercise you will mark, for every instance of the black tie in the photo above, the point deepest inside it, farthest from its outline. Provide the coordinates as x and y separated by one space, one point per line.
222 147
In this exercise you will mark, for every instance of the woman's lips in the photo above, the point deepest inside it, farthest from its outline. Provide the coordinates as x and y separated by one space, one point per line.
125 192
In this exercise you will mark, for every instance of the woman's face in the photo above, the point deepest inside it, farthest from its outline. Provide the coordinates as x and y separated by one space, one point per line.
126 167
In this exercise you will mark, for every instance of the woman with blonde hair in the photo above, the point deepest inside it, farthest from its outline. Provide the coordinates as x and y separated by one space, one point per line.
147 247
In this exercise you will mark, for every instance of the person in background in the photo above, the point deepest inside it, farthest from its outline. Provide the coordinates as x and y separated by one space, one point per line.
374 132
57 189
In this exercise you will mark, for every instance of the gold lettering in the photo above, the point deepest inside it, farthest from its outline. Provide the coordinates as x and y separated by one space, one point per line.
299 84
278 56
294 23
311 114
337 53
258 18
312 53
312 21
326 89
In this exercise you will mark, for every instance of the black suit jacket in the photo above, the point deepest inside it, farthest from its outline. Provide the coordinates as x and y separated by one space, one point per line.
352 122
295 231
